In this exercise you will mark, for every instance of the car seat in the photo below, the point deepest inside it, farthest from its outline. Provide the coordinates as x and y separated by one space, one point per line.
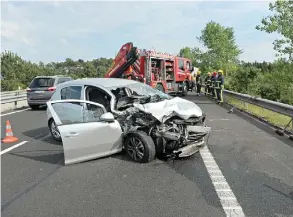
99 97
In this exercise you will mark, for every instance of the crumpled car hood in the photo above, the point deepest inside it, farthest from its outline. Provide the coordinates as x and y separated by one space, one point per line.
166 109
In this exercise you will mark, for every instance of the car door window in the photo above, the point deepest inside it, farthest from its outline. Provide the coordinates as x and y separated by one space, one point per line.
71 92
77 112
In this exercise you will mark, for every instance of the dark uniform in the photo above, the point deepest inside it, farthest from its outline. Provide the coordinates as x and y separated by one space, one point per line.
208 82
220 87
213 84
198 83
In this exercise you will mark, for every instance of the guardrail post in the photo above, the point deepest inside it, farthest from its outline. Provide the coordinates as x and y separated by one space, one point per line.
281 132
246 106
15 102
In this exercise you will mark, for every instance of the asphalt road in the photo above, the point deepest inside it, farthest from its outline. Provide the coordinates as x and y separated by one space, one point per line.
255 163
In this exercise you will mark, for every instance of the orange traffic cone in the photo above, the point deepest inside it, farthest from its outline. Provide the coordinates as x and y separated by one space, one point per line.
9 138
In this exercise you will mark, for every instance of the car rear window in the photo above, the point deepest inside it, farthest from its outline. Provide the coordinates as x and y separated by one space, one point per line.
42 82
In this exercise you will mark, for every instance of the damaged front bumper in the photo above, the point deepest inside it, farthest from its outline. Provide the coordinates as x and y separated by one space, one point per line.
193 147
188 150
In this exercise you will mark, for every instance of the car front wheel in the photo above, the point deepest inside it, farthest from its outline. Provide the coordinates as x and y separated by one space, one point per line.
140 147
54 130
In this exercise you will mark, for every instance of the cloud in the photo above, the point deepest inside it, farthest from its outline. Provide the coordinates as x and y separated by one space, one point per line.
53 31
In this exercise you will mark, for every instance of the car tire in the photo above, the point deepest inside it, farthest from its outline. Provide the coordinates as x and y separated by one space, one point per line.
54 131
34 107
140 142
160 88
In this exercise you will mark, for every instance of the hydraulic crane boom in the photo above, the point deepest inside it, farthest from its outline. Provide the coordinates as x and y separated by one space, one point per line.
126 57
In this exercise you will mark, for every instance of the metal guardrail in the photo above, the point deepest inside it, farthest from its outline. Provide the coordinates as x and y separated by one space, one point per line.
277 107
13 96
264 103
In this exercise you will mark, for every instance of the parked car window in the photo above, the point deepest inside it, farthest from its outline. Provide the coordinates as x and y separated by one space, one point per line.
42 82
72 92
76 112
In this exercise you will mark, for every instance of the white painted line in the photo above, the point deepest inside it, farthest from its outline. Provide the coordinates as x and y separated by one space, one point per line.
10 113
212 167
231 207
208 161
223 119
223 190
220 183
227 198
12 147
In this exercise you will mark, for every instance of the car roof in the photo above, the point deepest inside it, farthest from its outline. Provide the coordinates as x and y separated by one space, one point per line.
52 76
104 82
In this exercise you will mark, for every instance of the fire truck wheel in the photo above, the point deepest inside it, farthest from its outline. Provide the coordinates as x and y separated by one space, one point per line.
184 89
160 88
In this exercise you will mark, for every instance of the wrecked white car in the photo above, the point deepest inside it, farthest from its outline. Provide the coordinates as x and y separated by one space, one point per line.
98 117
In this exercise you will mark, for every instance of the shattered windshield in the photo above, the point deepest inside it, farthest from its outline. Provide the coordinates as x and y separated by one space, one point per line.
140 89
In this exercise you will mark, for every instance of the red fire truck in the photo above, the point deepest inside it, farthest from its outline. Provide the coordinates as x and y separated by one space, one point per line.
168 73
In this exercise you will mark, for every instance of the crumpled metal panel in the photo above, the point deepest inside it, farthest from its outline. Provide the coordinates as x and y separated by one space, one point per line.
168 108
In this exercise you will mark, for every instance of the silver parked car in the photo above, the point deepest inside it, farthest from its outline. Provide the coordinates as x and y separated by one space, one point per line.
98 117
42 88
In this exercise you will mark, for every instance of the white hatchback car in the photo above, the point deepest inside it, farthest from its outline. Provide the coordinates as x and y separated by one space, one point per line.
98 117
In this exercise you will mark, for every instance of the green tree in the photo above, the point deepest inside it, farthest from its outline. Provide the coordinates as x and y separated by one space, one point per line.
194 54
222 50
282 23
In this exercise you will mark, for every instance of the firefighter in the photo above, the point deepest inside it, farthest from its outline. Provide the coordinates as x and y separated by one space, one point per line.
208 82
213 84
193 78
198 83
220 86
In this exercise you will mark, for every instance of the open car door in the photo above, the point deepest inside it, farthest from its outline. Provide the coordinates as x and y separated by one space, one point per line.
86 129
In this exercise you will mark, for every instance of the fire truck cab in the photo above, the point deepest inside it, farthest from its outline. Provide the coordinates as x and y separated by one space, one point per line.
168 73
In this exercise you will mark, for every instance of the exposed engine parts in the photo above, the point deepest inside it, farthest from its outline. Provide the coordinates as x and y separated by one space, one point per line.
173 134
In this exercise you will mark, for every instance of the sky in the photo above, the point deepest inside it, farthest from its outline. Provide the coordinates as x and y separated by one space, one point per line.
56 30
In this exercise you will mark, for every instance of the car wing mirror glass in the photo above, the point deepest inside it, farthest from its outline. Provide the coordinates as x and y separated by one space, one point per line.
107 117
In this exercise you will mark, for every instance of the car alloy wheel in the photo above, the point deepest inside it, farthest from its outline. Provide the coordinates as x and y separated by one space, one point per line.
135 149
140 147
54 131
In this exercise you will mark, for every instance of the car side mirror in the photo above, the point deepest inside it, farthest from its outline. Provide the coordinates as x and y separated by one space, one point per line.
107 117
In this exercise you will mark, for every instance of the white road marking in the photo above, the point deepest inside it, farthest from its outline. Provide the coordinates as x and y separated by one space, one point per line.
227 198
223 119
12 147
10 113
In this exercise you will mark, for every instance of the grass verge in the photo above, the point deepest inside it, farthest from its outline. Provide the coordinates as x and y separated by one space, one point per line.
268 115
